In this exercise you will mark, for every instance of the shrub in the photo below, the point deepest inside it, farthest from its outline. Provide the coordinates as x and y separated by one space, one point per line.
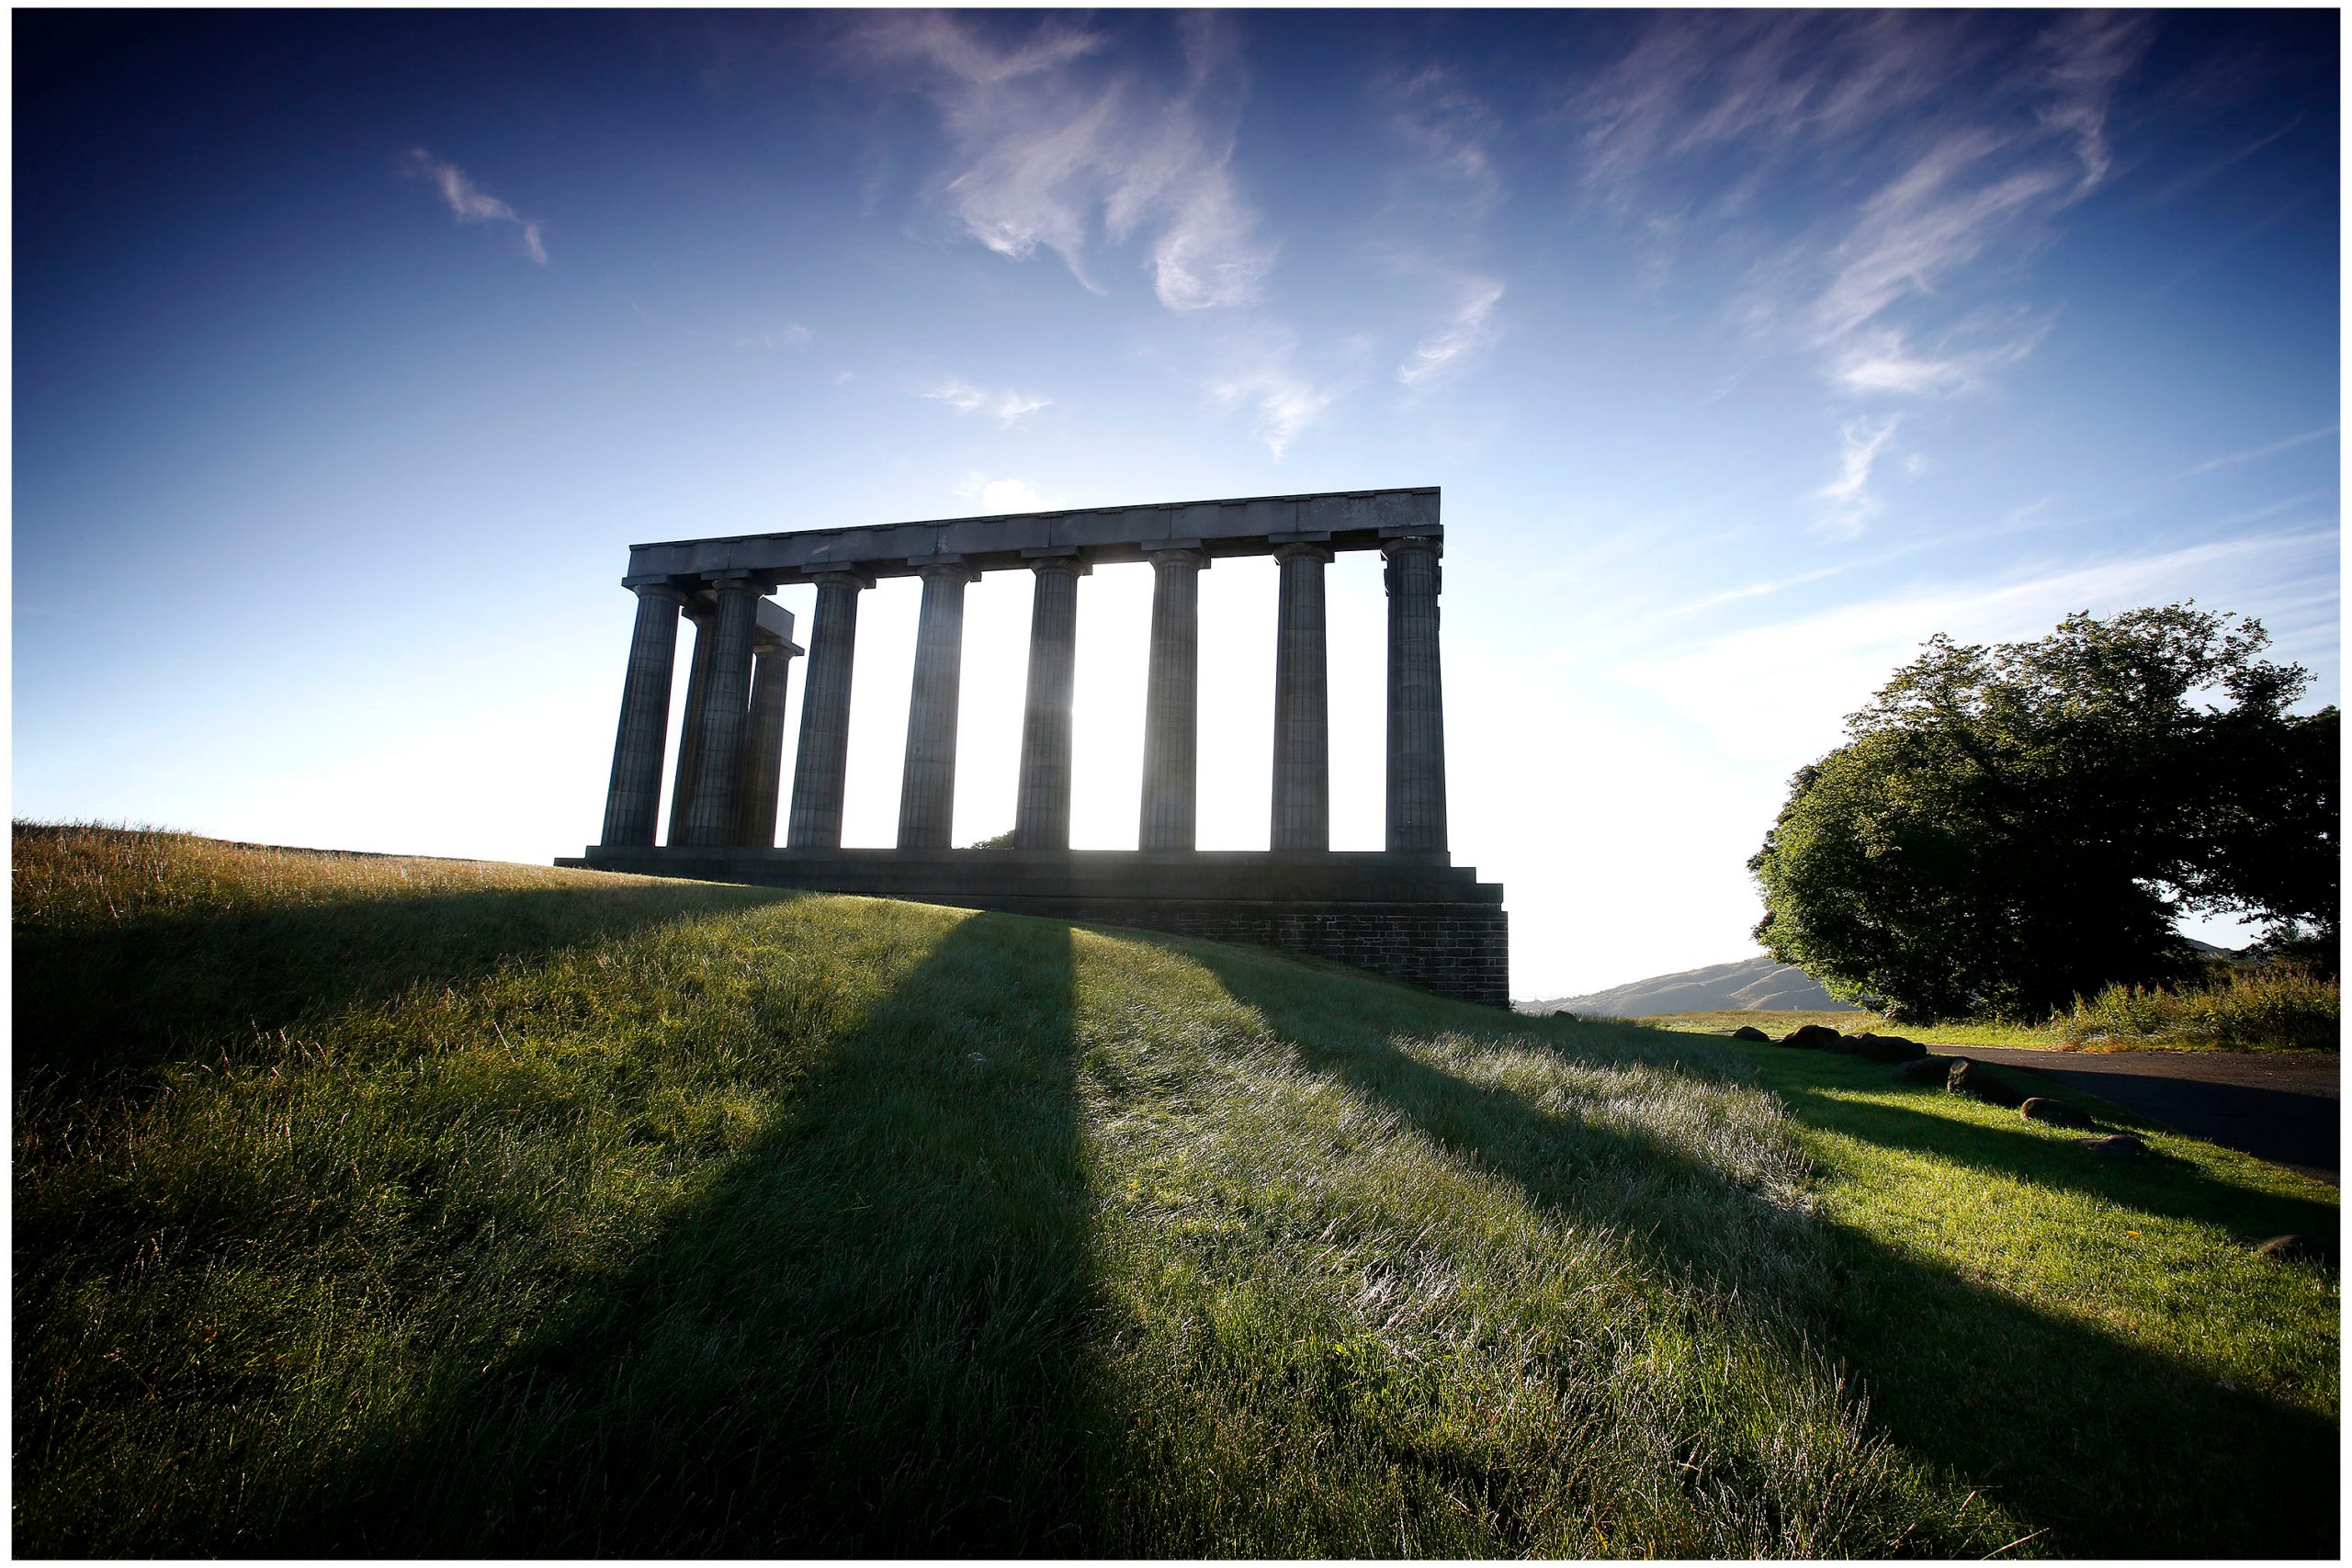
2282 1005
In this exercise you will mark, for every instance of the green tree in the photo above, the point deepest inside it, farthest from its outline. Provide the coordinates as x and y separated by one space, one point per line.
2009 826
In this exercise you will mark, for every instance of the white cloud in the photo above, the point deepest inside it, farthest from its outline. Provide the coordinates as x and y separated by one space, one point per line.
1851 504
1008 408
1048 137
1780 690
792 334
1467 329
1001 496
468 203
1882 360
1285 403
2230 459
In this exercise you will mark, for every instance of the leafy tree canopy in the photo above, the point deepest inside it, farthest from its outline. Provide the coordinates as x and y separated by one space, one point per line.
2009 826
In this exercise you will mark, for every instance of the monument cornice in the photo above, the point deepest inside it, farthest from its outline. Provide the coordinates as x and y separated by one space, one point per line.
1248 526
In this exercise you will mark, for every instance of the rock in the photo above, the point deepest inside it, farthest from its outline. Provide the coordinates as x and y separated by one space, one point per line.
1887 1047
1977 1080
2057 1112
1749 1031
2297 1249
1925 1069
1812 1036
2117 1145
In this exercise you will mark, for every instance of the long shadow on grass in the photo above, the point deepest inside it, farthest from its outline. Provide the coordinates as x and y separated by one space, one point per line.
862 1338
2156 1186
95 1005
2117 1451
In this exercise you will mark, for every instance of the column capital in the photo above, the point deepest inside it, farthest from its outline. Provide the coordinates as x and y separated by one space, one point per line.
842 577
1178 553
656 588
951 567
1398 545
1298 548
740 583
1059 557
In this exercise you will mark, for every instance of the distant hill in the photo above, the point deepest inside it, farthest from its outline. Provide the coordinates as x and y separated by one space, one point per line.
1761 983
1758 984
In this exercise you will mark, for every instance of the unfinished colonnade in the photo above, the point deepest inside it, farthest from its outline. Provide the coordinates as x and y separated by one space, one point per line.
1404 910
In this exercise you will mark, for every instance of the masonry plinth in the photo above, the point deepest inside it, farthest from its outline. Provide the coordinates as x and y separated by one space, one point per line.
1404 911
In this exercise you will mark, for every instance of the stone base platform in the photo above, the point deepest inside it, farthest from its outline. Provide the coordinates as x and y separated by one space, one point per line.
1415 917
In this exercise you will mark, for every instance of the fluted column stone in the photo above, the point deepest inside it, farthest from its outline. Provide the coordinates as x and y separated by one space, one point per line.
1416 697
1041 813
1302 802
712 811
1171 703
821 770
927 785
681 782
633 802
763 749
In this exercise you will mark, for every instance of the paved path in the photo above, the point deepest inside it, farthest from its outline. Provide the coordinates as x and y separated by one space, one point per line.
2278 1106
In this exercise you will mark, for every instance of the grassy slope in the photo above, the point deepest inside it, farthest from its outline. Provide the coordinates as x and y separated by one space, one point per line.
418 1207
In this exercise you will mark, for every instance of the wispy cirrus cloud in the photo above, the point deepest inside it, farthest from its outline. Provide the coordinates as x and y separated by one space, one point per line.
468 203
2232 459
1441 197
1051 138
1964 141
792 334
1851 502
1007 407
1469 329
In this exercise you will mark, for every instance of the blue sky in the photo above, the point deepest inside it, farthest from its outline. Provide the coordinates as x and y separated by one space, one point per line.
1750 349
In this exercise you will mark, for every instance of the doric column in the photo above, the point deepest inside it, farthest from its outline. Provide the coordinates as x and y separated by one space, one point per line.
821 770
927 787
711 810
1302 816
1416 699
1171 701
681 783
633 803
763 749
1041 815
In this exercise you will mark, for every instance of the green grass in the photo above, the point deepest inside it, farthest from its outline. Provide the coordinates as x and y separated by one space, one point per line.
2301 1020
402 1207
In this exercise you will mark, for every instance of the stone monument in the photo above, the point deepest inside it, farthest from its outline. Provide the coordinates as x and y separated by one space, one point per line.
1406 911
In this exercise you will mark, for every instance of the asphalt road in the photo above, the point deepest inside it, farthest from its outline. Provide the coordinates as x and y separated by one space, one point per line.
2280 1106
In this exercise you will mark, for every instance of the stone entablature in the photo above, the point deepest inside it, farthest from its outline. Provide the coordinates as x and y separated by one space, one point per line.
1255 525
726 786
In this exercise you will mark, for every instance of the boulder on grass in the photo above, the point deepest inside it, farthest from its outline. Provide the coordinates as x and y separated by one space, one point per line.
1925 1069
2057 1112
2297 1249
1977 1081
2117 1145
1812 1037
1749 1031
1887 1047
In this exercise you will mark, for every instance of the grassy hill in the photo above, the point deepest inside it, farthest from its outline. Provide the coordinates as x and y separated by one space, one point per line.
408 1207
